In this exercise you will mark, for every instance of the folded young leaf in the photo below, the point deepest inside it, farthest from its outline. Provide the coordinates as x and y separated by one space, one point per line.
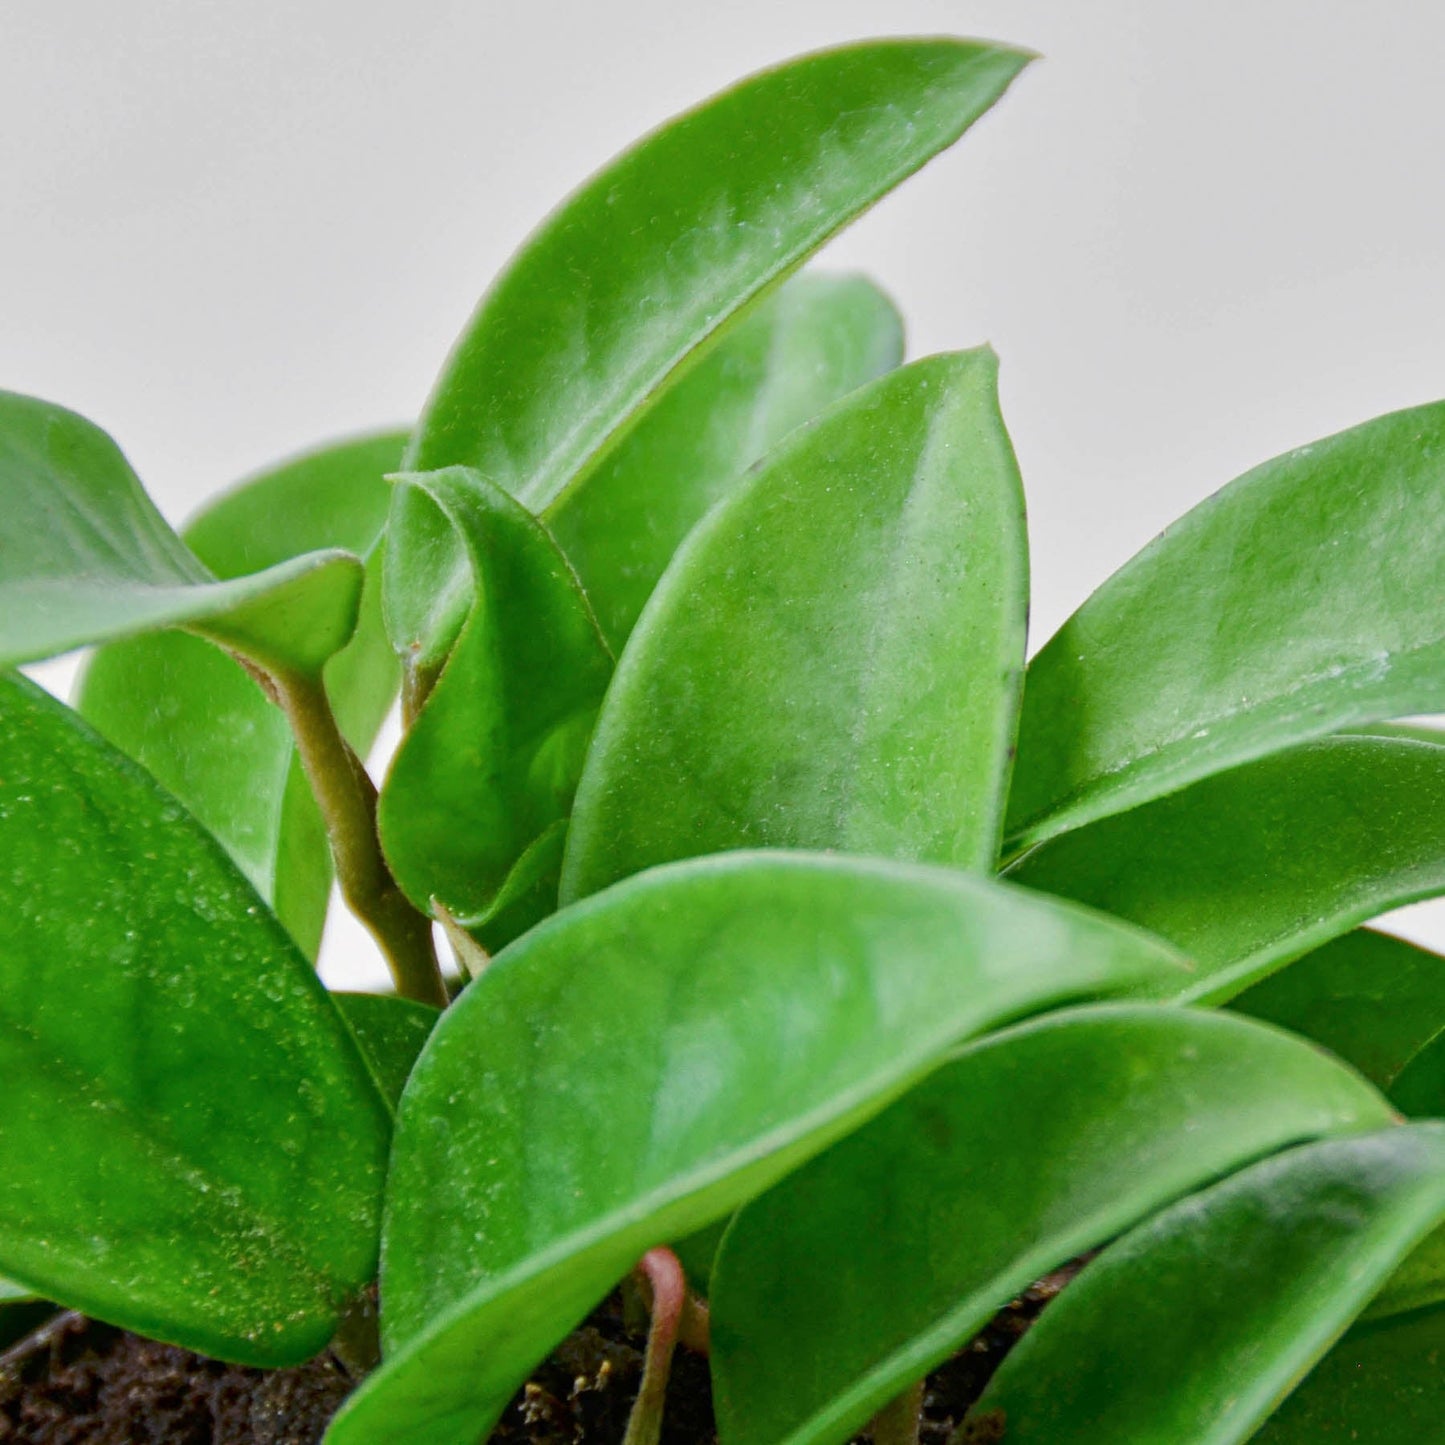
622 287
391 1032
1301 599
814 341
1379 1386
194 717
1257 866
1376 1001
193 1145
85 557
474 803
641 1064
833 658
863 1270
1194 1326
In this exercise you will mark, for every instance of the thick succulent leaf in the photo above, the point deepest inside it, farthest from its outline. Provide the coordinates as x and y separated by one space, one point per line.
12 1293
863 1270
1379 1003
636 1067
1376 1001
1302 599
473 805
624 286
85 557
833 659
194 717
391 1032
817 339
1194 1326
1381 1385
193 1145
1253 868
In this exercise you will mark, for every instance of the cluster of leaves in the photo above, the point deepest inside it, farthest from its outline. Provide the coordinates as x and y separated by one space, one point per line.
708 621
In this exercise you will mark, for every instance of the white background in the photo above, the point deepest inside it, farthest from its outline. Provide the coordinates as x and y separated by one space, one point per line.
1198 234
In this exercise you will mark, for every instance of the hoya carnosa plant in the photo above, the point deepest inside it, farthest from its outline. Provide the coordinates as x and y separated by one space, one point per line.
707 619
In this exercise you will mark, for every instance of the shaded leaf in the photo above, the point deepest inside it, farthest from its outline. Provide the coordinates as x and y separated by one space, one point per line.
623 286
817 339
474 803
85 557
194 1147
1196 1324
636 1067
860 1272
1301 599
1381 1385
11 1293
1376 1001
1253 868
391 1032
833 659
197 721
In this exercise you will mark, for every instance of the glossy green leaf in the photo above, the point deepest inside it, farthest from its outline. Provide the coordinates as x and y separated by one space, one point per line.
1255 867
817 339
1376 1001
1381 1385
479 790
860 1272
193 1146
391 1032
194 717
622 288
1194 1326
642 1063
1302 599
12 1293
85 557
833 659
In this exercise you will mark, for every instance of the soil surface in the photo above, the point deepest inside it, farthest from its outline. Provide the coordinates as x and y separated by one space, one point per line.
77 1382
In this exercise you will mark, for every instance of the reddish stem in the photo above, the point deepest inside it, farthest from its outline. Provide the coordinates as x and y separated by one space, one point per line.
662 1273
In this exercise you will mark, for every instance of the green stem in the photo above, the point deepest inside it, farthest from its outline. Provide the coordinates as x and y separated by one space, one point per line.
897 1422
663 1273
347 799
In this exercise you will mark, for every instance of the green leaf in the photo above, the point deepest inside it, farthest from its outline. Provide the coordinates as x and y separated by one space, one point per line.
193 1146
11 1293
391 1032
85 557
1195 1325
1300 600
477 795
1379 1386
1253 868
817 339
194 717
1374 1000
622 288
872 1264
642 1063
833 658
1379 1003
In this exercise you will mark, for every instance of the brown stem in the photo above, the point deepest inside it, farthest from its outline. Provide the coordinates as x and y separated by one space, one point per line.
347 799
897 1422
663 1273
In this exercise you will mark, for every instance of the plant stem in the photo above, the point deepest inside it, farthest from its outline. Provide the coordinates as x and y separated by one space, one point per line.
897 1422
663 1273
347 799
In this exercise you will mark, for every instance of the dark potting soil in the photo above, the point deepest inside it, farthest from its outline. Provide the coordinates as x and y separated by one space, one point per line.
77 1382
